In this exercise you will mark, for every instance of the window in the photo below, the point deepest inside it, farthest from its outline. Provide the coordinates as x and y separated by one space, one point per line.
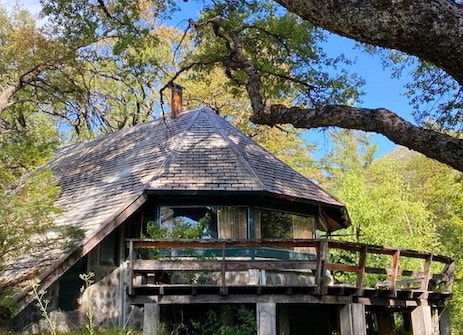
188 222
201 222
109 250
233 222
274 224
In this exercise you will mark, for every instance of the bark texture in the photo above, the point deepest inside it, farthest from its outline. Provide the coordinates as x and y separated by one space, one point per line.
429 29
441 147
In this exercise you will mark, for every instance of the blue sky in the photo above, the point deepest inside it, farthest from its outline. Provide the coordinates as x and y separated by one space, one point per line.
380 90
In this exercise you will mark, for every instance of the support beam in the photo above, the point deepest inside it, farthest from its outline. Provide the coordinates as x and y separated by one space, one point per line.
385 321
266 313
352 319
444 322
422 320
283 320
150 319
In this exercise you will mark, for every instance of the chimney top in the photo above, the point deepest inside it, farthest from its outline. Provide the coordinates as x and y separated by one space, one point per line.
176 100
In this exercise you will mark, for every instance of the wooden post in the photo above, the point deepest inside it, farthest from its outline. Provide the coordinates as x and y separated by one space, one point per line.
150 319
444 322
266 318
426 273
421 320
352 319
130 269
322 258
283 320
224 288
385 321
394 269
361 270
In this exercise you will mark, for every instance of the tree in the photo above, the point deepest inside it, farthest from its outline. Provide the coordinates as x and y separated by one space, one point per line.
428 30
440 189
385 24
287 143
383 208
91 81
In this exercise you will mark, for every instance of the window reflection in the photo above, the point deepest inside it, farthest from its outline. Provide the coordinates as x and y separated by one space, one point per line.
203 222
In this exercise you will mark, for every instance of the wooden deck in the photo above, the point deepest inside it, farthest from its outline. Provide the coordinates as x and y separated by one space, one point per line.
327 271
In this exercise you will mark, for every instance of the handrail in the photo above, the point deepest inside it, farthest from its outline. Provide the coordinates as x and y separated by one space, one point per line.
317 266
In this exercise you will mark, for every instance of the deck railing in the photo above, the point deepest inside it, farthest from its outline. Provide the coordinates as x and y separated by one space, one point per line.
322 264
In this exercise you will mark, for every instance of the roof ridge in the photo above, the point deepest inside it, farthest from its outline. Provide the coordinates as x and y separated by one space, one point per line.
237 152
179 139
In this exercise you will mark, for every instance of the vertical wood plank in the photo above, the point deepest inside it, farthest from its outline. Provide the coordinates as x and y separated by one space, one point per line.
394 268
449 274
150 319
266 313
223 289
361 265
422 320
130 268
352 319
322 258
283 320
385 321
426 273
444 322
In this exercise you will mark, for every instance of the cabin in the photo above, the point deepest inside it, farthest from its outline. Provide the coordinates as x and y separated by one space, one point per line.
173 218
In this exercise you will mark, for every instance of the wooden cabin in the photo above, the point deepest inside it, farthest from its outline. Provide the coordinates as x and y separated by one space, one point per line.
184 215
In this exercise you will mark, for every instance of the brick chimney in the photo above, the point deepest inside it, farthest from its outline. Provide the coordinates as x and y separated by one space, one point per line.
176 100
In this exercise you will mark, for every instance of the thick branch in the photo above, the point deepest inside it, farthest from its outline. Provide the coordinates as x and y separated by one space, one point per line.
26 79
431 30
441 147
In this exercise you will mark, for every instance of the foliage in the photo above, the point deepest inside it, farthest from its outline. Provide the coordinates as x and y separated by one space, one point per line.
435 97
381 203
180 229
286 142
26 204
88 280
42 303
441 189
213 323
279 45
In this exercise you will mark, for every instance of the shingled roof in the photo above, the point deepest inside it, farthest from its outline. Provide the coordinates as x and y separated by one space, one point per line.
198 151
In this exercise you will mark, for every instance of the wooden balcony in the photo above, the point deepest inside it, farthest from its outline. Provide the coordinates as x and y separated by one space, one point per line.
329 271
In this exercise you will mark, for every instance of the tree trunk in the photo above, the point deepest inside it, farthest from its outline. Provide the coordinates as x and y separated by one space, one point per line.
429 29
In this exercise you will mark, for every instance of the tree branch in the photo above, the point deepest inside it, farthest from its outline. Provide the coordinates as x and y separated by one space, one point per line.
431 30
441 147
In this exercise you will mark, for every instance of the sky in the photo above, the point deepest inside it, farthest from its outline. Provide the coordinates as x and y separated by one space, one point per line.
380 89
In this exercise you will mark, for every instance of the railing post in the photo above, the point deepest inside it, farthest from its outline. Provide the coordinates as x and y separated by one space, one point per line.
361 267
449 274
394 269
223 289
426 273
130 268
322 258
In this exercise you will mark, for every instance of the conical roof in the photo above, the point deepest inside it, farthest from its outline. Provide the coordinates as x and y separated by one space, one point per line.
198 151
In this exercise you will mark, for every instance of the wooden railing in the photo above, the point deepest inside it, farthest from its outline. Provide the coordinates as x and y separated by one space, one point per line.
327 263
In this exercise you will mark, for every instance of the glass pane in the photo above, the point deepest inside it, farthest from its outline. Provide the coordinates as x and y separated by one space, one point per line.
233 222
274 224
188 222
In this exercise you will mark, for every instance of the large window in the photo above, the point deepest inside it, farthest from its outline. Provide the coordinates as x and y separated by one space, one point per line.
202 222
178 221
275 224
